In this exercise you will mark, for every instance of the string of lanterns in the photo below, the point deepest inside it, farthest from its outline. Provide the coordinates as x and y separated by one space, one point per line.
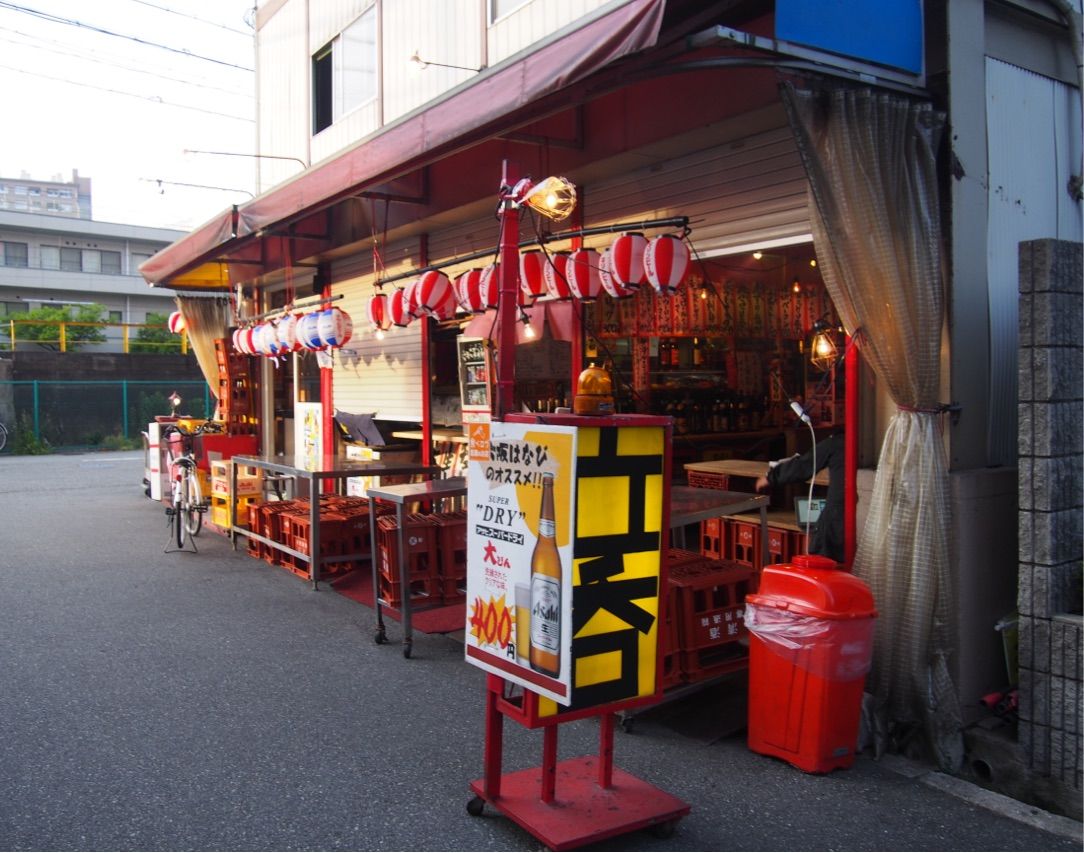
315 331
584 274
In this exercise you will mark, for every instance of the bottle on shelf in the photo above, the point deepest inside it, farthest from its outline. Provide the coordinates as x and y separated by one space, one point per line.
698 353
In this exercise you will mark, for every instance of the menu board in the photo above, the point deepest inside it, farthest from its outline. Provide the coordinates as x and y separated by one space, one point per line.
521 517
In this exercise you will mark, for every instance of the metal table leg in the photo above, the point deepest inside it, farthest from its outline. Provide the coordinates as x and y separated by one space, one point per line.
381 633
404 580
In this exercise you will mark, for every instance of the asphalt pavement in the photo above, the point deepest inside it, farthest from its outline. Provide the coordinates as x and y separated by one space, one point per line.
178 701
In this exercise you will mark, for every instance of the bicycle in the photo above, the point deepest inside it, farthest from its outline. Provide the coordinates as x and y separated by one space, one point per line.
184 513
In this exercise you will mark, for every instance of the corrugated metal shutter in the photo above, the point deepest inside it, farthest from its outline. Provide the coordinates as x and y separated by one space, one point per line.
1030 124
370 375
746 191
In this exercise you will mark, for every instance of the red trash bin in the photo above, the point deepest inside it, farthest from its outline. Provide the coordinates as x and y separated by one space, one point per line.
810 647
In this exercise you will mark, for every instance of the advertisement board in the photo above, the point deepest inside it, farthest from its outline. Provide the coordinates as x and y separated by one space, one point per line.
521 512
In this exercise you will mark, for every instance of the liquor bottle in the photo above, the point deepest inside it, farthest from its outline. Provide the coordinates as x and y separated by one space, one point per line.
698 353
664 354
545 653
675 353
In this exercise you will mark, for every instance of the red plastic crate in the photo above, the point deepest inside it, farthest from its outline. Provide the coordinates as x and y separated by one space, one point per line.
420 537
743 543
708 479
422 590
713 538
779 546
709 613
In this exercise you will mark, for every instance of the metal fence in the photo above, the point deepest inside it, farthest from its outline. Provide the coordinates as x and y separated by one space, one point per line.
79 414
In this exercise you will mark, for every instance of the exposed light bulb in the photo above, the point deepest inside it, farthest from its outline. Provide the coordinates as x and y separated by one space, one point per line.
758 255
797 286
812 262
379 334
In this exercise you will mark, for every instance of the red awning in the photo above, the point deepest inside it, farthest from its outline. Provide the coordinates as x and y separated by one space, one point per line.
466 117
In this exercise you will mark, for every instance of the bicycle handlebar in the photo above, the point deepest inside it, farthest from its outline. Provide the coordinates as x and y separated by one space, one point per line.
207 426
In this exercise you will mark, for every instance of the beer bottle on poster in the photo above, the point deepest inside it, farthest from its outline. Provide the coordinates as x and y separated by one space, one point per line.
545 654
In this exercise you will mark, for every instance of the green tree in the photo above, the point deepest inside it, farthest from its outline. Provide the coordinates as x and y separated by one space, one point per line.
45 328
155 336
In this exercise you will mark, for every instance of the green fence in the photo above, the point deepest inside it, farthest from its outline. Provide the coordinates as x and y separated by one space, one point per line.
73 414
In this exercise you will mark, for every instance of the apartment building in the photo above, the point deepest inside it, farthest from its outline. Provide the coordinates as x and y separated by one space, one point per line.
55 197
50 259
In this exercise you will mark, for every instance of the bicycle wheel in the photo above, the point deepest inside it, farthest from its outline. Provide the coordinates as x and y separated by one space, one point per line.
193 511
178 512
3 436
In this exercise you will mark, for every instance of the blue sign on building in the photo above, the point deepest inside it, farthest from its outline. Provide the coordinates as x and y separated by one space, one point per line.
885 32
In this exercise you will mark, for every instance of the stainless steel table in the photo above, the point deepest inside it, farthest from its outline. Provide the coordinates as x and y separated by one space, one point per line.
431 490
691 504
341 470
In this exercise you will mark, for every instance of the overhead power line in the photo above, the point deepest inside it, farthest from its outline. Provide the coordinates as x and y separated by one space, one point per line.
71 22
83 55
195 18
152 98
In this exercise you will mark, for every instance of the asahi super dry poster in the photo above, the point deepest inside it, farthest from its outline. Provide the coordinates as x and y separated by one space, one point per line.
521 514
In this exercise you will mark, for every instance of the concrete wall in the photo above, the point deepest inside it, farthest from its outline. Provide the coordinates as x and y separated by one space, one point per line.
1050 494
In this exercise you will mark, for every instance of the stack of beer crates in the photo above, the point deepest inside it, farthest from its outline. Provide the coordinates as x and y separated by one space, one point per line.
704 635
436 545
249 489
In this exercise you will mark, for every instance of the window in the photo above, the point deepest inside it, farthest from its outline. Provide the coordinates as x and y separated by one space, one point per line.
65 193
13 308
500 8
50 257
116 316
111 263
344 72
71 260
92 260
15 254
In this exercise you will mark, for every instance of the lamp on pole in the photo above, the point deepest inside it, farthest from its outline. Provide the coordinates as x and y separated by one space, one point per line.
554 198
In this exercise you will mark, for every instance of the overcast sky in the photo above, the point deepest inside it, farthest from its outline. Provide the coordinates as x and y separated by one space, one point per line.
118 89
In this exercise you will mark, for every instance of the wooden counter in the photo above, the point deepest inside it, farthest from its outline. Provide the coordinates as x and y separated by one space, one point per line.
742 468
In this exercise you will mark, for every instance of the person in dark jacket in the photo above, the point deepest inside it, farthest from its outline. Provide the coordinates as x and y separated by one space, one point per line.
826 536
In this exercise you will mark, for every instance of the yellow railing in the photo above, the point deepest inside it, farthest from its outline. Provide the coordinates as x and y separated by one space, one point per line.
61 341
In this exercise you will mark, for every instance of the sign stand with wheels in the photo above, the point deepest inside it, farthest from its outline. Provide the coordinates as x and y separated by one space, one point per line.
565 589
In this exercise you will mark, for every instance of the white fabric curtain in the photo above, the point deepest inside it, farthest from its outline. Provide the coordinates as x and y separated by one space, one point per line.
206 318
870 158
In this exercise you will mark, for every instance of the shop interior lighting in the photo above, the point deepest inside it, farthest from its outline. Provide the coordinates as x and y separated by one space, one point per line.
758 255
822 350
813 262
174 403
526 321
797 286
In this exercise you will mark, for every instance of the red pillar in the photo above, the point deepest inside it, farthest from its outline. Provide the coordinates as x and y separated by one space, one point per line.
508 255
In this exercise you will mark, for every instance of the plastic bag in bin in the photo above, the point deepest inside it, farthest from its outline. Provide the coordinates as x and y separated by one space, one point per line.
832 649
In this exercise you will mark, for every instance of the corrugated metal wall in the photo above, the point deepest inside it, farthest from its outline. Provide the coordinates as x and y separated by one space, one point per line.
745 191
1033 145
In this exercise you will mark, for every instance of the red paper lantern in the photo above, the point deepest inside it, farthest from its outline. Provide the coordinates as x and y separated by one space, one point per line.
434 292
467 293
379 312
554 274
397 309
582 274
410 299
176 322
666 262
609 281
531 277
627 261
489 286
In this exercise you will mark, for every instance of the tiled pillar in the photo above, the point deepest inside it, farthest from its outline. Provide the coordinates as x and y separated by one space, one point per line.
1050 491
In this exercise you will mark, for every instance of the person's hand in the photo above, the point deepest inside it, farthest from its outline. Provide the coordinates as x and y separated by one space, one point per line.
762 484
